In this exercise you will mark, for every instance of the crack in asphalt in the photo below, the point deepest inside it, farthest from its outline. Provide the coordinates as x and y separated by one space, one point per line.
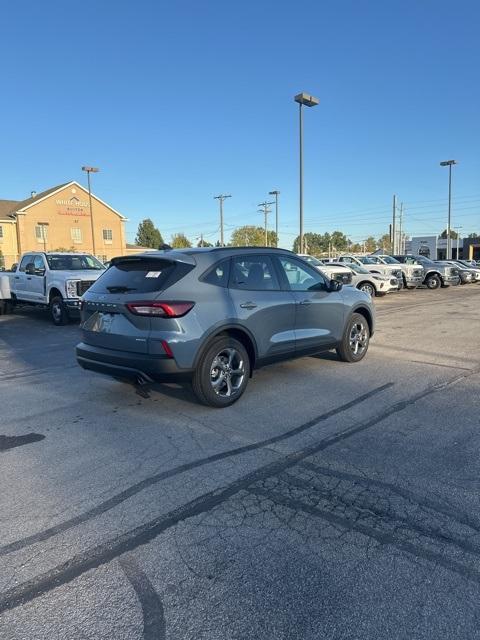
395 537
154 626
136 488
145 533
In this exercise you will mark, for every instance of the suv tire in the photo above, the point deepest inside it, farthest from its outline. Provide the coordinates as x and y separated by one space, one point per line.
356 339
222 373
367 287
433 281
58 311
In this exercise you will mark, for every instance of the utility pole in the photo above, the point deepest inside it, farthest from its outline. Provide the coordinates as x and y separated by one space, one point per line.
221 198
265 210
394 229
275 193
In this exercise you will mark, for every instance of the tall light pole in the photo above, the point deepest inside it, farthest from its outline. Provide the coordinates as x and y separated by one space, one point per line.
221 198
457 229
303 99
90 170
276 194
265 210
448 163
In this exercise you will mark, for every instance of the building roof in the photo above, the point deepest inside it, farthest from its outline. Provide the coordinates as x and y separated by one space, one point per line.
13 205
6 207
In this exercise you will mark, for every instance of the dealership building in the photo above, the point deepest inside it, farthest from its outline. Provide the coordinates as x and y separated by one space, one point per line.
61 218
435 248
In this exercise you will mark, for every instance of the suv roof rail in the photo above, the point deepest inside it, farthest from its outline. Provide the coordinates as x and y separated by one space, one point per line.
251 248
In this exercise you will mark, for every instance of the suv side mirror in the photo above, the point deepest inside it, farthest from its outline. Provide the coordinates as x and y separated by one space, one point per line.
335 285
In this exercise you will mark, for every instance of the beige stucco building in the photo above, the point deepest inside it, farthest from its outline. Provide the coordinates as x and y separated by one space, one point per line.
61 218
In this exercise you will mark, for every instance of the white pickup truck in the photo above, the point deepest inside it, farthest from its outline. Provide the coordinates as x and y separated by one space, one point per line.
54 279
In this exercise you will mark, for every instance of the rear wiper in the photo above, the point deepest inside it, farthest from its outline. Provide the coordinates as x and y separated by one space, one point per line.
120 289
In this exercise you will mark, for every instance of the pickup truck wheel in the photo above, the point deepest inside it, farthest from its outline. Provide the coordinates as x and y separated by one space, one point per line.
355 341
222 374
58 311
433 281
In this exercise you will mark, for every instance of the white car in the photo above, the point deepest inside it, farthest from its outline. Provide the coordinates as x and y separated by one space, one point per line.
375 284
338 272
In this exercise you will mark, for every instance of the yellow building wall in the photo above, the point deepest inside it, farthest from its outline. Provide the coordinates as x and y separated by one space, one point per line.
66 210
8 243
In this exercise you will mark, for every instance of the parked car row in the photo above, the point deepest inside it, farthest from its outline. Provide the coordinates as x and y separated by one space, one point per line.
381 274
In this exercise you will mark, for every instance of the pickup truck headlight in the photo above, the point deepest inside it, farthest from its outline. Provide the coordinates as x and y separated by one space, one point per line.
71 288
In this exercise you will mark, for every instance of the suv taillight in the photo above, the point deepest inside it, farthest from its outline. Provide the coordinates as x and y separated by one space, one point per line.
160 309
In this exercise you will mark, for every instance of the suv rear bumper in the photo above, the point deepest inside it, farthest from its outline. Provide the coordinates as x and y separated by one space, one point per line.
131 366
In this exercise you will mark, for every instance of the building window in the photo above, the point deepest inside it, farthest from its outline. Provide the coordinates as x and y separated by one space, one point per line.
41 232
107 236
76 235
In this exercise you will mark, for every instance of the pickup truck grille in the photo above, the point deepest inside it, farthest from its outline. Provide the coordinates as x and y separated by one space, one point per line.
83 285
345 278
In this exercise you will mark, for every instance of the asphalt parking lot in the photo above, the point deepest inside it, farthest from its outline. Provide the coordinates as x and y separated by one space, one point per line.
333 501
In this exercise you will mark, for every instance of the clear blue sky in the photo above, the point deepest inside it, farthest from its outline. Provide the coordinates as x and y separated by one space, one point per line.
178 101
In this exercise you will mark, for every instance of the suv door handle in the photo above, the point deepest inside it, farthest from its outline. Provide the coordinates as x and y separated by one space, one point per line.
305 302
248 305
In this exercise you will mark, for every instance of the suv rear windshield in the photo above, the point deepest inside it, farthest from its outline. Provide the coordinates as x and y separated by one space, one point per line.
139 275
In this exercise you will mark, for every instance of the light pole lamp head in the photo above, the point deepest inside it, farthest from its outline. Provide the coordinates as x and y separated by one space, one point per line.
447 163
274 193
91 169
306 99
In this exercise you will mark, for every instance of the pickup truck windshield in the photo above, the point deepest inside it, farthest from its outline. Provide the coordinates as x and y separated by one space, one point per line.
366 260
390 260
78 262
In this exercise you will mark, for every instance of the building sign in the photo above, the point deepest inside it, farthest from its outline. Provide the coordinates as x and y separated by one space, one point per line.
72 207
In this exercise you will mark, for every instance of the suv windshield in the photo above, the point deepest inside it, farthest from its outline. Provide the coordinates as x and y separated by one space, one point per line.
77 262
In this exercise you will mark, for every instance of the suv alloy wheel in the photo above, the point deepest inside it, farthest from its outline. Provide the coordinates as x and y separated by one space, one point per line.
222 374
355 341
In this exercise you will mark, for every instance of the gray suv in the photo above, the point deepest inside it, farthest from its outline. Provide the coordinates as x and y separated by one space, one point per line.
214 315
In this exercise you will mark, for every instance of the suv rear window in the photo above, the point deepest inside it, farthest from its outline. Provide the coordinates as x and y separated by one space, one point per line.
139 276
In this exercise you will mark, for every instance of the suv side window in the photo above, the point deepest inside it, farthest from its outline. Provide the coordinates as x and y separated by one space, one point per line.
301 277
25 260
253 273
218 274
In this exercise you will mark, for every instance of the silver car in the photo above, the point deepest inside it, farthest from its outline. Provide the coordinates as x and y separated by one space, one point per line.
214 315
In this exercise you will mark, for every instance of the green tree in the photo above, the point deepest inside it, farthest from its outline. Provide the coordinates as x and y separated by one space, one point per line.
473 235
453 234
314 243
251 236
384 242
339 241
204 243
355 248
148 235
180 241
370 244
